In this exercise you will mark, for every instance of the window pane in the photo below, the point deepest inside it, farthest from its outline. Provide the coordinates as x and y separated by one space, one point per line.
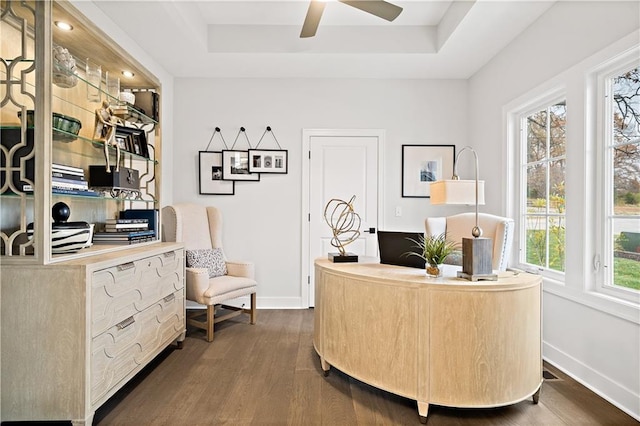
556 187
626 179
626 254
545 178
624 164
537 136
556 243
537 187
537 240
558 121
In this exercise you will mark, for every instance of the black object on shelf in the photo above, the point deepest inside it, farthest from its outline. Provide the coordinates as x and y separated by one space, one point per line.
123 178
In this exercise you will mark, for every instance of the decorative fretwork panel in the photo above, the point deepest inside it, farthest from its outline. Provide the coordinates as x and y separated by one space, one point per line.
17 152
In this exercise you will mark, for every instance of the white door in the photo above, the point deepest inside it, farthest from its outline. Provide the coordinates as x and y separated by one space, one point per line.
341 164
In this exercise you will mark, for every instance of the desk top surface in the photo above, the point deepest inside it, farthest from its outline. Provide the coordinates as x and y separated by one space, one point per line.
370 268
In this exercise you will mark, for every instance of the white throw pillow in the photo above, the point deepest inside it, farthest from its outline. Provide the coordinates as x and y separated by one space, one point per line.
212 259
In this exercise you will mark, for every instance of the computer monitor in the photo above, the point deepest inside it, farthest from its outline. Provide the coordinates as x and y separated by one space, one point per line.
394 247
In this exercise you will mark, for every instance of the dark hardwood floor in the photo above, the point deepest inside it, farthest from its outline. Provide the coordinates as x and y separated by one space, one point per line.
269 374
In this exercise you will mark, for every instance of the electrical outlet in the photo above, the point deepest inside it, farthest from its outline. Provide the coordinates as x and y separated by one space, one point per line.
398 211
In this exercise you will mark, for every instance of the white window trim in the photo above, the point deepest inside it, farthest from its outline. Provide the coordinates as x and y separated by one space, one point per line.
578 286
598 82
517 117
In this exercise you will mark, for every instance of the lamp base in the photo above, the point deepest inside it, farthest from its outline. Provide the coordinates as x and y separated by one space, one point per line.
347 258
478 277
476 258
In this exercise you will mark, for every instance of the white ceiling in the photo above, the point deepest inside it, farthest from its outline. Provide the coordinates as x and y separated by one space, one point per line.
256 39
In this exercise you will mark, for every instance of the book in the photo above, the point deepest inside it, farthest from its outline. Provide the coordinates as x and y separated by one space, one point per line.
65 185
67 169
81 192
109 228
132 241
152 216
56 183
123 235
126 221
67 176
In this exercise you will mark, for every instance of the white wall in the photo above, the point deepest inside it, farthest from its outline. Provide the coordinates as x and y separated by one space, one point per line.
263 219
592 339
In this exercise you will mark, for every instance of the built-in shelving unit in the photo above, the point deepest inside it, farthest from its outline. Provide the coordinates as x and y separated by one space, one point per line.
75 326
27 83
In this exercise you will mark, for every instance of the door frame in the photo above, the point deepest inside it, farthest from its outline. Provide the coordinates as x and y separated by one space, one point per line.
307 134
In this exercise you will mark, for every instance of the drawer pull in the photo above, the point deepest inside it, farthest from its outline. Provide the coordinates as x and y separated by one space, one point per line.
169 254
125 323
169 298
126 266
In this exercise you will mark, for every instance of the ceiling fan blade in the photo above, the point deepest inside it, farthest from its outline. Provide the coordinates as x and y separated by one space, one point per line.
312 20
379 8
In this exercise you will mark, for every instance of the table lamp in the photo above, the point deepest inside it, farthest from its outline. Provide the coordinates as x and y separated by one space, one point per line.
477 262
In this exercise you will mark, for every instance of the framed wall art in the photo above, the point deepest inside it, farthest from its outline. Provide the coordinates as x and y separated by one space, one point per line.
423 164
210 175
235 166
268 161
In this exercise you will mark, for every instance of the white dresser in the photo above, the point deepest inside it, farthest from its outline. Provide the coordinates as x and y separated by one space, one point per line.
75 332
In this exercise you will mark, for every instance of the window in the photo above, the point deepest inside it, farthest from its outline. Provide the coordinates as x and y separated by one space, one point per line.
620 180
542 174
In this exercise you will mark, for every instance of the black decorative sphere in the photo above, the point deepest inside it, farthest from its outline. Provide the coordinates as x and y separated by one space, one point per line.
60 212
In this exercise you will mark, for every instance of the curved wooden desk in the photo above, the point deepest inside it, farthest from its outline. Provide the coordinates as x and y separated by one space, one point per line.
443 341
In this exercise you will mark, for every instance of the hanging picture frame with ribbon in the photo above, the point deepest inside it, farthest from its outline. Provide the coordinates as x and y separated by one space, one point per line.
235 163
210 170
268 160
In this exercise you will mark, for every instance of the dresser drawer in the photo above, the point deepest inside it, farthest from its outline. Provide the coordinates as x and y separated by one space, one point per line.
132 343
124 290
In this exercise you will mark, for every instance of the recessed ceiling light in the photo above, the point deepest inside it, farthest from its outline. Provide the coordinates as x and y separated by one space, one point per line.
65 26
128 74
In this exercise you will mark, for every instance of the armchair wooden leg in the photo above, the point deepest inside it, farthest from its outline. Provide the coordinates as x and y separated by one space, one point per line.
253 308
210 312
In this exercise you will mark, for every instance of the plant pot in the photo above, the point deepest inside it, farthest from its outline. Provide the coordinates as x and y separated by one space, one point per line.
434 270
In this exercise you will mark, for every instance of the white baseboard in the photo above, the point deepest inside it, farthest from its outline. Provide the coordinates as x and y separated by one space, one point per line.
620 396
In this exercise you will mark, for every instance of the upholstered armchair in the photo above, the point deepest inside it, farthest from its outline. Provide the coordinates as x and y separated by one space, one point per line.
210 278
499 229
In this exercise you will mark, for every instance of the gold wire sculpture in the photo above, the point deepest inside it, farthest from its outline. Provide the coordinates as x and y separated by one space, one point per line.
343 221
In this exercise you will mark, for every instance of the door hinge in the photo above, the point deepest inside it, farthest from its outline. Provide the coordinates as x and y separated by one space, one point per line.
309 279
309 218
309 155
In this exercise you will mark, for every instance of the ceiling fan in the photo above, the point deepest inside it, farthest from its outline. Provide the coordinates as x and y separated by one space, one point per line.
379 8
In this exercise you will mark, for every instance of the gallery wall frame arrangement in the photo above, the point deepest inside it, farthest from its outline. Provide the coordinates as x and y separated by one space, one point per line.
210 175
268 160
235 162
219 169
210 170
423 164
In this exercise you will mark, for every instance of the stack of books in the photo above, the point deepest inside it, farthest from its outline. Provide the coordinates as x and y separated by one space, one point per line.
125 231
67 180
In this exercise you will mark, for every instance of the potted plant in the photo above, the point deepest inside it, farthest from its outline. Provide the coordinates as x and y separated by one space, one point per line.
434 249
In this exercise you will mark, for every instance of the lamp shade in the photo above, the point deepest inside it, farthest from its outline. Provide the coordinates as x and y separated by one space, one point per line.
457 192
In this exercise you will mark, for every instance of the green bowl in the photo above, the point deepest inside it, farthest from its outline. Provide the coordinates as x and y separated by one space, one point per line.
64 123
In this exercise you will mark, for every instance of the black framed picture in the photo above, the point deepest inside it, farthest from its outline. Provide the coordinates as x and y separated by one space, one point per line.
136 140
268 161
210 175
235 166
424 164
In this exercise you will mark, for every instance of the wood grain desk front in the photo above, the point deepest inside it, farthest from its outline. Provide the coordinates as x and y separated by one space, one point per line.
444 341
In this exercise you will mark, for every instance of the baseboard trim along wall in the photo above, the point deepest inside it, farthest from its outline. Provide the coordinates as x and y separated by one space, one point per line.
608 389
